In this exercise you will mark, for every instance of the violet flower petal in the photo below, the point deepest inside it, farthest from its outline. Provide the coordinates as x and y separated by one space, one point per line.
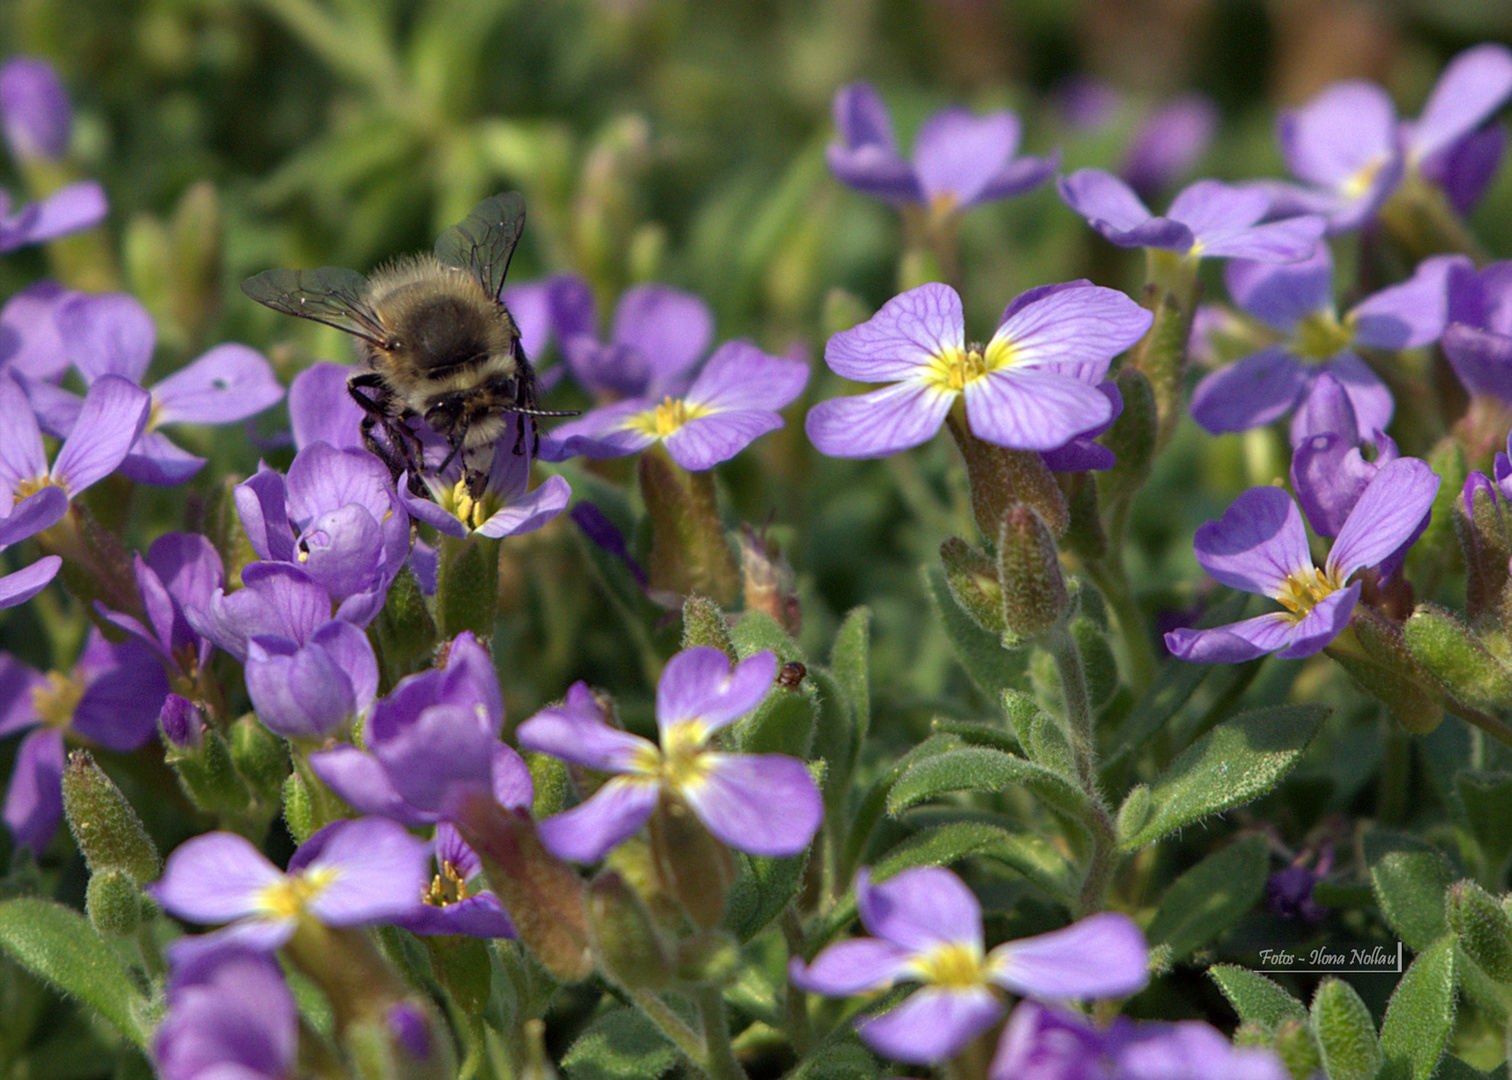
878 424
1250 392
1257 545
108 334
21 586
920 909
1473 86
956 154
699 684
902 338
853 966
114 413
34 797
933 1024
763 804
1388 511
214 878
1234 643
230 382
587 832
1101 956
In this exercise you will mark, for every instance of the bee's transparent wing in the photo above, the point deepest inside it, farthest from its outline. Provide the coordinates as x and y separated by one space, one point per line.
329 295
483 242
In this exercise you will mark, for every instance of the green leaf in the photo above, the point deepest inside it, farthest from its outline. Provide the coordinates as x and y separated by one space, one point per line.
993 668
1039 861
762 889
1420 1016
1485 797
1345 1032
620 1045
874 805
837 1061
1210 897
1258 1000
1235 762
757 630
1409 878
850 668
58 944
977 768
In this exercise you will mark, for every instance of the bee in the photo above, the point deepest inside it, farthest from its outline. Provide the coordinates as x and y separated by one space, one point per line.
436 341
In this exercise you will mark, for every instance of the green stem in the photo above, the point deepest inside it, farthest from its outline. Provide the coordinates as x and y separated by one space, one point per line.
1112 580
800 1030
673 1027
711 1011
1396 763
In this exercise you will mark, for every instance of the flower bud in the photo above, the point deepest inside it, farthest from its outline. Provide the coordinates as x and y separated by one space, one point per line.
1029 571
405 630
998 478
1481 524
1131 438
626 942
1483 927
708 958
467 586
114 903
1457 658
260 757
689 553
972 578
1084 529
768 580
1161 354
205 771
695 867
299 808
107 830
463 965
1345 1032
34 110
182 724
1135 812
1293 1041
1375 654
704 624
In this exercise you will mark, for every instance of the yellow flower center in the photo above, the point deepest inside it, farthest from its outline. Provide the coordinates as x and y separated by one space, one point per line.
291 895
55 702
33 485
951 964
1360 180
447 887
471 512
1320 336
666 418
954 369
1303 591
682 757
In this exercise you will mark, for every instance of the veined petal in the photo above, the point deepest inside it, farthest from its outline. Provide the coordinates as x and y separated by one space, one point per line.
699 684
39 510
575 731
1322 624
1282 296
1257 545
1082 325
1099 196
22 456
1234 643
705 441
380 870
920 908
1213 209
854 966
669 327
530 512
1101 956
1409 314
230 382
214 878
883 422
741 376
763 804
1369 397
902 339
156 459
1027 409
934 1024
109 334
114 413
361 780
956 154
1473 86
1251 392
1345 132
1276 241
1390 509
587 832
34 797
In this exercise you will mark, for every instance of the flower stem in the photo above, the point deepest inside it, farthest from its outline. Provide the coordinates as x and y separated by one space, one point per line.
711 1011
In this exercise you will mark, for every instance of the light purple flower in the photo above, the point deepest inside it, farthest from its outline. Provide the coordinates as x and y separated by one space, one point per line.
29 338
1478 340
321 409
1033 386
230 1014
1168 141
431 741
504 507
350 873
337 517
1208 220
656 339
309 690
34 109
927 928
181 572
764 804
70 209
276 598
112 334
1297 301
1352 153
1044 1043
1328 470
959 161
458 901
733 401
112 697
1260 546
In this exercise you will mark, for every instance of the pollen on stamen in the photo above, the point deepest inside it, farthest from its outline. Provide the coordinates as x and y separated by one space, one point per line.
666 418
953 369
1302 592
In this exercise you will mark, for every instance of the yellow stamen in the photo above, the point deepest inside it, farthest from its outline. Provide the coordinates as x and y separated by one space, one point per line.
31 486
447 887
951 964
56 701
954 369
1302 592
290 896
666 418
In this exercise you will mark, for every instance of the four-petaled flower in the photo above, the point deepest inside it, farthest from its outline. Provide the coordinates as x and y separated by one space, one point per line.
927 928
1260 546
1033 386
764 804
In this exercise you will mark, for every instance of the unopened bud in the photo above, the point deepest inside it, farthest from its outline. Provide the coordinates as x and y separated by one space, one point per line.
1483 928
704 624
1382 666
181 723
768 581
972 578
626 942
708 958
113 901
260 757
207 775
1481 524
34 109
1161 353
1134 813
109 833
1457 658
999 478
1345 1033
1131 438
404 627
695 867
689 552
299 808
1029 570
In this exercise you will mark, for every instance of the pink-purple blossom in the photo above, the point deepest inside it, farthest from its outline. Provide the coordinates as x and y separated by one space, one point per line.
1033 386
230 1013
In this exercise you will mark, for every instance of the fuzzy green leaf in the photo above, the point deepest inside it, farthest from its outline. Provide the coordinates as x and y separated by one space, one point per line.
977 768
1409 878
58 944
993 668
1210 897
1345 1032
1237 761
1420 1016
619 1045
1485 798
1258 1000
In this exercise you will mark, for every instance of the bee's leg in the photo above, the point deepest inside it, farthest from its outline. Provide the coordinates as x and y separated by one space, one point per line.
398 452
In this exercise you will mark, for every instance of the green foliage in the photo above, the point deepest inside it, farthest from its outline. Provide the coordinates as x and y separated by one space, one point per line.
1209 898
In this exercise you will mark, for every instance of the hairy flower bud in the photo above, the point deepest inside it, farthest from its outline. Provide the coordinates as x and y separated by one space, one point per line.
626 942
972 577
1457 657
114 903
998 478
1034 588
1483 927
695 867
106 828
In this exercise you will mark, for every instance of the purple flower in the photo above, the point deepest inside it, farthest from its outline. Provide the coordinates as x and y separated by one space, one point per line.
1328 470
1297 301
764 804
111 697
111 418
457 901
308 690
229 1013
113 334
337 517
504 508
29 340
1478 340
1168 141
321 409
657 337
1033 386
1044 1043
1352 153
34 109
432 740
1208 220
68 210
350 873
276 598
1260 546
959 161
733 402
927 928
181 572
